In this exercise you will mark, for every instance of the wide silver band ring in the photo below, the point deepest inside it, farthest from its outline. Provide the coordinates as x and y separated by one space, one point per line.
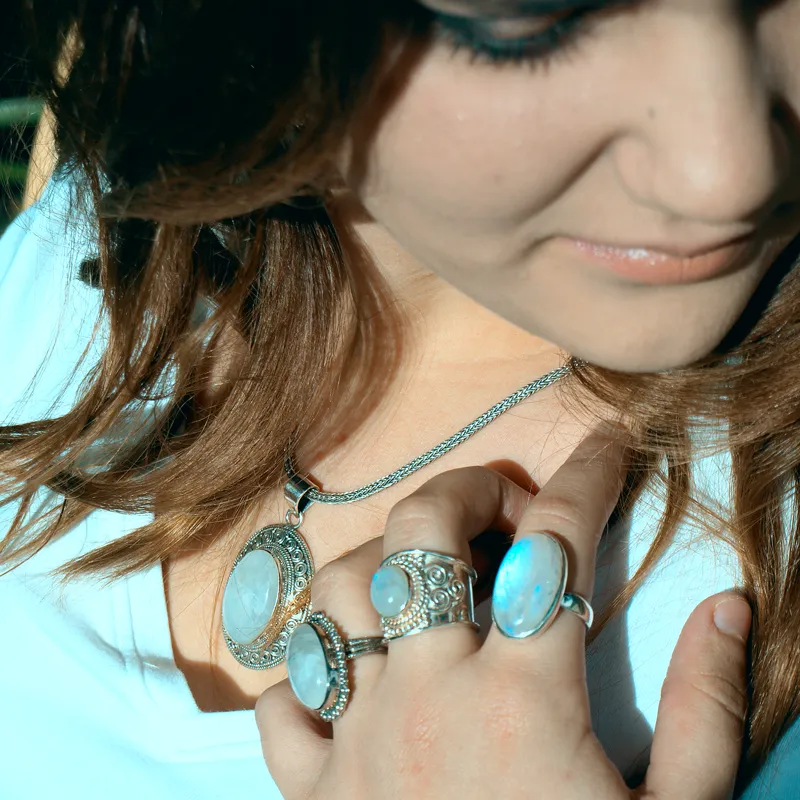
316 664
414 590
530 588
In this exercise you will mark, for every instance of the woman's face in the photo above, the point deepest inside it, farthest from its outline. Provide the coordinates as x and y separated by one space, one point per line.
563 193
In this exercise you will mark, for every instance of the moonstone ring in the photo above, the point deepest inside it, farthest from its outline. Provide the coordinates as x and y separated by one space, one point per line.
414 590
530 588
316 664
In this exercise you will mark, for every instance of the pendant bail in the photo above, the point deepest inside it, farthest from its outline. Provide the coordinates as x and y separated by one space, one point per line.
296 494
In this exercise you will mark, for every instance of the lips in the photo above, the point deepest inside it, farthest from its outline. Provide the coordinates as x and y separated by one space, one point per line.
655 267
667 264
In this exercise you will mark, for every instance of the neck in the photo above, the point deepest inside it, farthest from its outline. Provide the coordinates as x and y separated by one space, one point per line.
458 359
445 328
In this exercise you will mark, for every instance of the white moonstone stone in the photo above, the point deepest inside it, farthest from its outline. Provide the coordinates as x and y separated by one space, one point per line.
307 666
389 590
528 586
251 595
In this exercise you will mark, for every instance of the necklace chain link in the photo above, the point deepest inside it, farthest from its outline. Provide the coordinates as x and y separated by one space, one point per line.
315 495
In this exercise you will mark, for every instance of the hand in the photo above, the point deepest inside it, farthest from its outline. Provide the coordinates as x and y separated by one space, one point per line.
444 716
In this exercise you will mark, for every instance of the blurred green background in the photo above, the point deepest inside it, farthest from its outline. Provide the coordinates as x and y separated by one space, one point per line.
18 112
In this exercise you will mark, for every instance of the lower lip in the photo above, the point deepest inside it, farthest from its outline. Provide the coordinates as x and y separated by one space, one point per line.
655 268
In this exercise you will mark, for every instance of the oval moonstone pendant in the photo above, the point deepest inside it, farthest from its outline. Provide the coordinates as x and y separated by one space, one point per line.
529 586
267 595
251 595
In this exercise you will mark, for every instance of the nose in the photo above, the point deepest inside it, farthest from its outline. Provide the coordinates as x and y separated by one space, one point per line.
704 141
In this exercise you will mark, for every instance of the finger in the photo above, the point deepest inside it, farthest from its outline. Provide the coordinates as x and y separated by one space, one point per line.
340 590
442 516
698 735
294 741
575 505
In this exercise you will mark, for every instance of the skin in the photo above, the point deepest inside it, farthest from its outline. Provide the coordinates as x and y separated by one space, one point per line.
442 715
660 126
655 127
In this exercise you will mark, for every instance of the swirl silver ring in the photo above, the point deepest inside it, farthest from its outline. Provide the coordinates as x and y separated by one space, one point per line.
316 664
414 590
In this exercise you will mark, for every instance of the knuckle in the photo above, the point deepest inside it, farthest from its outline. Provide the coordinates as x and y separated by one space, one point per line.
561 513
262 706
326 583
268 702
336 578
420 508
715 692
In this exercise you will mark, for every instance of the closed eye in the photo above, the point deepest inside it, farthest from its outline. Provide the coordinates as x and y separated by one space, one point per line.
534 41
533 32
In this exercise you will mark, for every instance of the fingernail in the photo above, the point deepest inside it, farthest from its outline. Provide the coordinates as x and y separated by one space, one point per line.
733 616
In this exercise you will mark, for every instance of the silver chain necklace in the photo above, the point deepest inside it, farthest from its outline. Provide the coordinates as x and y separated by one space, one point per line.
267 594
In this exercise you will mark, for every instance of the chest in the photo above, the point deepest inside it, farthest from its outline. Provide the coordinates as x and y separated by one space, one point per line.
194 582
193 586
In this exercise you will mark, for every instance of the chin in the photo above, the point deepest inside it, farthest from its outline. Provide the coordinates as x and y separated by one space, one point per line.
645 329
645 354
655 337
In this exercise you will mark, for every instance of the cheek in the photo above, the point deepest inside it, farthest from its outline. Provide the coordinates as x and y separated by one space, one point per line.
477 145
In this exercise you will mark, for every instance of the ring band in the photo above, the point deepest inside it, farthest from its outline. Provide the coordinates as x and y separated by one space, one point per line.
414 590
353 648
530 588
316 664
579 605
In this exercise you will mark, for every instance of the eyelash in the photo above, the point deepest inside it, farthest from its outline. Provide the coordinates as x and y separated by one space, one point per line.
537 51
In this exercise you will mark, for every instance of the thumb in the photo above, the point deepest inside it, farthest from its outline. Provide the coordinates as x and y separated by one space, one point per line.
698 736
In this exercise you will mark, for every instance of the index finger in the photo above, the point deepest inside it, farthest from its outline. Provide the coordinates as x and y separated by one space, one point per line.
574 506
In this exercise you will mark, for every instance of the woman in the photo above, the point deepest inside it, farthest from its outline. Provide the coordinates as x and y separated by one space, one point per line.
342 233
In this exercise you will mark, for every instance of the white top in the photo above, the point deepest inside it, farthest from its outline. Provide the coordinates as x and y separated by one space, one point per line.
93 705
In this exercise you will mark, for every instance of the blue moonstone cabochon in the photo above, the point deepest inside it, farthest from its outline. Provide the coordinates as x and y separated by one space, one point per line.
251 595
307 666
529 586
390 590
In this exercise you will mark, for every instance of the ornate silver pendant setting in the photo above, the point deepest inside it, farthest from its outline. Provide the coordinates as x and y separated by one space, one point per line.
267 595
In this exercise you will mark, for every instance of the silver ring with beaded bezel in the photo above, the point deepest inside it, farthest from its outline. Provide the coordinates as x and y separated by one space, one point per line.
439 592
325 671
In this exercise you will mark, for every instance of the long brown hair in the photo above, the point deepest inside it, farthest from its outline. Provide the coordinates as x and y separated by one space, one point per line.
203 137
